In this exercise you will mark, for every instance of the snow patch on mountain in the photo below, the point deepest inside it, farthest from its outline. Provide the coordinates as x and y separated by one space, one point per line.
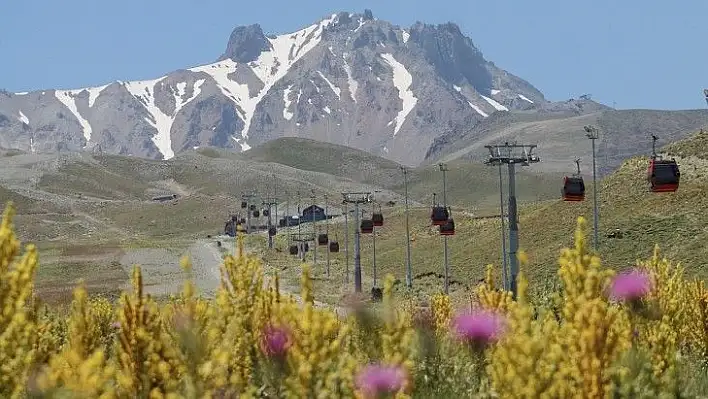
402 80
495 92
286 98
144 91
458 88
94 92
478 109
523 97
353 84
405 35
67 98
23 118
495 104
334 88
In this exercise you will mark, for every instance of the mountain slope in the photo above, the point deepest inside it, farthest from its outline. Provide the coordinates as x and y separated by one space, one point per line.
560 136
349 79
674 221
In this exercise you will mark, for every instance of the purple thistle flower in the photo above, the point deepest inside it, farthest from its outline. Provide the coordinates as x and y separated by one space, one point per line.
377 379
276 341
631 286
480 327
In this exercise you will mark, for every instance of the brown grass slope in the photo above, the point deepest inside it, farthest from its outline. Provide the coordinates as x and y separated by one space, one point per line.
674 221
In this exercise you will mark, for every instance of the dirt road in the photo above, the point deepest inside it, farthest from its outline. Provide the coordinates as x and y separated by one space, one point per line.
163 276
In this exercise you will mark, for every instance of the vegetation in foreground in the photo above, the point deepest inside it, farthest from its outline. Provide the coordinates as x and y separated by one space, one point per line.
640 334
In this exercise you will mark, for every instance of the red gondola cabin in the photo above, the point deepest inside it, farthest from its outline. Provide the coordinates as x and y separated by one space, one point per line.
573 189
439 215
663 175
448 229
367 226
378 219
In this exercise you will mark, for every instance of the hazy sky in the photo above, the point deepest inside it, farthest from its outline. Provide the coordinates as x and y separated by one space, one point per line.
637 54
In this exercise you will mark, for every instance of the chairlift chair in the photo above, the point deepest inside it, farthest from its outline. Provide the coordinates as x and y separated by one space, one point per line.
367 226
244 204
272 231
256 213
265 212
333 246
574 186
252 207
293 249
663 174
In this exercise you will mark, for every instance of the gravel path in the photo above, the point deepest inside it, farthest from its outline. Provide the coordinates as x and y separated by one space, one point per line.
163 276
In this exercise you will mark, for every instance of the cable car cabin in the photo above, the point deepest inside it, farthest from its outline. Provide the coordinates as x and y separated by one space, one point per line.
573 189
663 175
272 231
367 226
293 250
333 246
448 229
439 215
378 219
244 204
322 239
256 213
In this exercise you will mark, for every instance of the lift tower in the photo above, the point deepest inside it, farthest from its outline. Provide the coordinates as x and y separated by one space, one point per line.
512 154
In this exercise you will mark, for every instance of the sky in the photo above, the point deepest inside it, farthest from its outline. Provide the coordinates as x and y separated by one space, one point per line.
628 54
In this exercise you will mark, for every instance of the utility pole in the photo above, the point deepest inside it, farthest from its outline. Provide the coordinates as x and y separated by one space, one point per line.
373 234
275 196
346 242
314 230
523 157
444 169
357 198
592 134
299 227
248 198
409 272
301 239
269 202
505 278
327 231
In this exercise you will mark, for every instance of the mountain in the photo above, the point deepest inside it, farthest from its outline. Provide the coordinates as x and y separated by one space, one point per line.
348 79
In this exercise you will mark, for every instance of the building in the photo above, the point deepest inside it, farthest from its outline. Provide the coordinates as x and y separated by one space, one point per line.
313 212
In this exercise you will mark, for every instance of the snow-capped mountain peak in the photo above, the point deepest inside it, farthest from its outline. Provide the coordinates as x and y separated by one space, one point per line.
348 78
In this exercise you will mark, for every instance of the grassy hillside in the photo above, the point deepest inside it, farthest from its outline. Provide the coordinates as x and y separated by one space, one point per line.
475 186
333 159
674 221
624 133
470 184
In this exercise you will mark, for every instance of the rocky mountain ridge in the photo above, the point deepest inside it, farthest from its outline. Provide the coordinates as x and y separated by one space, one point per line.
348 79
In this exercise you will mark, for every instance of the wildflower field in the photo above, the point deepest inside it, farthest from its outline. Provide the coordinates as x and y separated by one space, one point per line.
640 334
